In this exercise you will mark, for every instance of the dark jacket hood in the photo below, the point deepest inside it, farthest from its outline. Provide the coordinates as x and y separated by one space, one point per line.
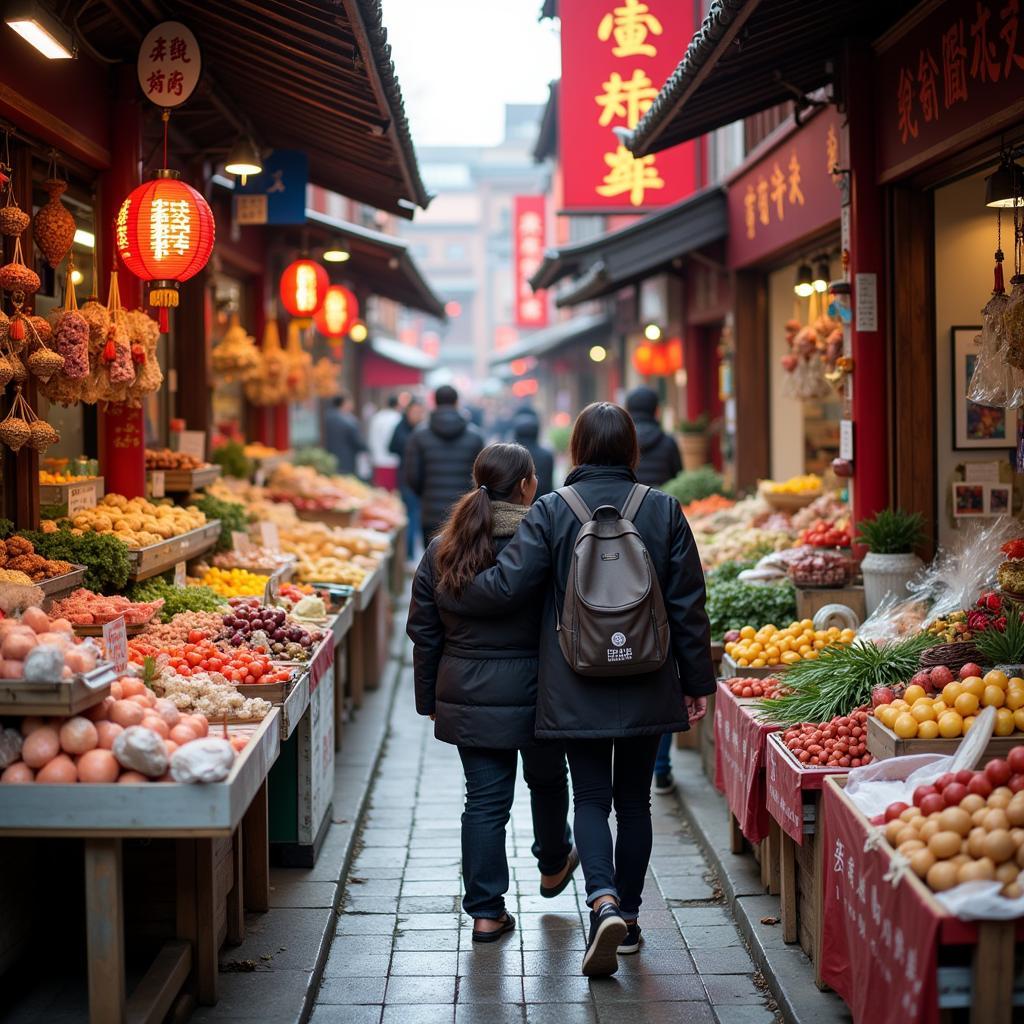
648 432
526 425
447 422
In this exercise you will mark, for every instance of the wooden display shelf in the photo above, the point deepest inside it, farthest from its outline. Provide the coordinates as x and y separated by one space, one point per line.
67 697
884 743
57 587
96 628
59 494
810 600
184 481
730 669
367 590
284 572
158 558
329 517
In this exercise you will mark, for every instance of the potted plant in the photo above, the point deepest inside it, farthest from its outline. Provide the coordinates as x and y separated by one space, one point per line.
693 443
890 537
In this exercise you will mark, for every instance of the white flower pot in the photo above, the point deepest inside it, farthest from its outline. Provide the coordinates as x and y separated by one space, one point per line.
885 574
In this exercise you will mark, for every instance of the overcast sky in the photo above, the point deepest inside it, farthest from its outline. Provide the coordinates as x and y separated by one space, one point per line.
460 61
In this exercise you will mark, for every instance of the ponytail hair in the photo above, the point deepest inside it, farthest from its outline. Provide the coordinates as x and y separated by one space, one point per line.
466 544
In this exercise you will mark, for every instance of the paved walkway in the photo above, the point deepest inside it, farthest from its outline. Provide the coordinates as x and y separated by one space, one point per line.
402 950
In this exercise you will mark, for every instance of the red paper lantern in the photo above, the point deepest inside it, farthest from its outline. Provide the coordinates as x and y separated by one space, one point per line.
340 310
642 359
164 235
304 285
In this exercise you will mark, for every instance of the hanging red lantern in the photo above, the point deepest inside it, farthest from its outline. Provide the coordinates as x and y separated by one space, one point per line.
304 285
674 354
340 310
164 235
642 359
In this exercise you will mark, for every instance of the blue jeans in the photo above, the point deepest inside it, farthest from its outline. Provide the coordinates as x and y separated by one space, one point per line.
490 787
663 762
597 785
412 511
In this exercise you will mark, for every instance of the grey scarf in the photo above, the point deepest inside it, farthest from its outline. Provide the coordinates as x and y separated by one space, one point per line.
506 518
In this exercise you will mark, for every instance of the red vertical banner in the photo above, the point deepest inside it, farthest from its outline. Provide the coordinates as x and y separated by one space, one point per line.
529 228
616 55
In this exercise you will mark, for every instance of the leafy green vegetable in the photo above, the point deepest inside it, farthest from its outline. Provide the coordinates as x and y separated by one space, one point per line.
733 605
176 599
319 458
232 459
1002 647
728 571
6 528
233 518
892 532
104 556
694 484
841 679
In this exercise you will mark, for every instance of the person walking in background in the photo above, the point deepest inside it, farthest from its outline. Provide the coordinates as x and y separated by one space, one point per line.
342 437
379 432
610 724
439 460
412 417
659 462
477 678
525 431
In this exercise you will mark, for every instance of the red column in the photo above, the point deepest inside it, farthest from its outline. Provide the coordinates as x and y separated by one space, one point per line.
869 383
122 438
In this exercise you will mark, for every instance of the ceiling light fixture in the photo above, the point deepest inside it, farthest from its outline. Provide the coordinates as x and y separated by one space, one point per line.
337 252
39 28
804 286
822 274
598 354
652 332
86 238
1003 188
244 158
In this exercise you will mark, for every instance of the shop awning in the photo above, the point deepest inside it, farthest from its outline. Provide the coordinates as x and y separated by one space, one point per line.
580 330
387 363
749 55
547 134
314 75
604 264
383 263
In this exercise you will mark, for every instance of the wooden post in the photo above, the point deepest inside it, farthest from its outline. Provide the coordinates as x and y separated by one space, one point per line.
787 888
752 373
992 990
735 835
818 901
236 897
104 914
340 690
206 927
774 856
358 661
256 854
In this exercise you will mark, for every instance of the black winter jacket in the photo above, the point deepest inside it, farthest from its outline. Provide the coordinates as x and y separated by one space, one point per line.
659 453
477 675
525 430
439 460
534 568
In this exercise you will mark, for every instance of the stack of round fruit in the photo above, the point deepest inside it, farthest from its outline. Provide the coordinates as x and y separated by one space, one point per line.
965 827
743 687
840 743
936 704
770 646
288 641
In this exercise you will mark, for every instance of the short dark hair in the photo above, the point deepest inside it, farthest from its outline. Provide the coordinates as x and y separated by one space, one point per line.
446 395
392 401
339 401
643 400
604 435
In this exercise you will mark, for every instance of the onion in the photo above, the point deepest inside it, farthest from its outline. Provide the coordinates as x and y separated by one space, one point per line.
78 735
16 645
157 725
17 773
107 732
126 713
127 778
60 771
98 766
36 619
30 723
42 746
168 711
182 734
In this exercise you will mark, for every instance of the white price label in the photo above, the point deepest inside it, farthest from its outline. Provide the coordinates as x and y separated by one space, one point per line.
80 498
240 540
192 442
180 577
846 439
270 591
115 643
157 483
269 536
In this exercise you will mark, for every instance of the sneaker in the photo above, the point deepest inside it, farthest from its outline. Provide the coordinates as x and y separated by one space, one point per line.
607 930
631 943
664 784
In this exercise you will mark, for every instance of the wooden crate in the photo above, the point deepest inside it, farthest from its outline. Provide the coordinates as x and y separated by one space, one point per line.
58 494
185 481
810 600
66 697
884 743
730 669
157 558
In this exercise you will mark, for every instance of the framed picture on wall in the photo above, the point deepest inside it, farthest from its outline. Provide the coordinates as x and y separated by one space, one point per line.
974 425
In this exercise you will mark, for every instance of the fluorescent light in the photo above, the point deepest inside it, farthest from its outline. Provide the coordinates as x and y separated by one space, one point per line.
337 255
40 29
244 159
86 238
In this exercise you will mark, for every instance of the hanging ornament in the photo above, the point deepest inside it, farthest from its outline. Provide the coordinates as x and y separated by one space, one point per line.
54 230
16 277
303 288
13 219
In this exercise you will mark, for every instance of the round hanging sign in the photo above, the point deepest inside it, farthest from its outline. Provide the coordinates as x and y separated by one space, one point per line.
169 64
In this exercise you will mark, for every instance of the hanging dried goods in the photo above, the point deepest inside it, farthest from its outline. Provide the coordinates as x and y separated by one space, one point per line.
54 228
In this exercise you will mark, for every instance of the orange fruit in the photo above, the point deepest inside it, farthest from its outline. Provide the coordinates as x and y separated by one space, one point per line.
996 678
975 685
966 704
1004 722
950 692
994 696
927 730
913 694
905 726
951 724
923 711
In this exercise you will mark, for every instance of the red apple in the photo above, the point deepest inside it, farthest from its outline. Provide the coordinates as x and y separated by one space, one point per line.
943 781
998 772
954 793
895 810
1015 759
1016 782
980 785
970 669
921 792
924 680
964 775
940 676
933 802
882 695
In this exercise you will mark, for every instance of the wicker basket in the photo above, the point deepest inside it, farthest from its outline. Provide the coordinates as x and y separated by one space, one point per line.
788 502
954 656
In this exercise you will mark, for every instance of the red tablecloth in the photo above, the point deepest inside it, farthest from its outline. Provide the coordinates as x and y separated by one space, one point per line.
785 785
739 761
878 941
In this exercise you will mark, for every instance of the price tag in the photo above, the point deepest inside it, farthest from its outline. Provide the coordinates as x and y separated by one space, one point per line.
157 483
115 643
81 498
269 537
180 579
259 478
270 591
240 540
192 442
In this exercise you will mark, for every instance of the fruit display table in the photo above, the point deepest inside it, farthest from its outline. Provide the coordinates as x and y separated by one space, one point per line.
890 948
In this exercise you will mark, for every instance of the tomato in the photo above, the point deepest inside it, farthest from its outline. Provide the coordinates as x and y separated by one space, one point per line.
1015 759
980 784
998 772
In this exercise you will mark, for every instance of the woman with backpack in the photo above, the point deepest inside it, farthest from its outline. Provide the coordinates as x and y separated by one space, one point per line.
624 653
477 678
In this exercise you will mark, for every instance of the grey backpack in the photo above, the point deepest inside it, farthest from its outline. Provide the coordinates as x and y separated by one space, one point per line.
613 620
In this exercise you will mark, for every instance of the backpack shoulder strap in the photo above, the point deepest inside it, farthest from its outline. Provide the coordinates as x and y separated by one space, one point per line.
577 505
634 501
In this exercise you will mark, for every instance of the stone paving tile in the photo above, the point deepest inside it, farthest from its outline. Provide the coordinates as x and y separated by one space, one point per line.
326 1014
353 991
419 990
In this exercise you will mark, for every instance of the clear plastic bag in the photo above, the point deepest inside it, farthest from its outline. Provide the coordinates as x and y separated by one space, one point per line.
990 383
1013 324
894 617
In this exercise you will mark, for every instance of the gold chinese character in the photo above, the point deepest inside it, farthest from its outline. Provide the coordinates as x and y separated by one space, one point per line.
762 202
796 195
831 152
159 225
749 202
778 192
630 24
626 98
629 174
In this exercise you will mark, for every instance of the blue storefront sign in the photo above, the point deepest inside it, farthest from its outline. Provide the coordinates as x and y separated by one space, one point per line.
277 195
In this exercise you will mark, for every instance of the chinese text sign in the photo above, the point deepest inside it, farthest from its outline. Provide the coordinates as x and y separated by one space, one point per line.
529 238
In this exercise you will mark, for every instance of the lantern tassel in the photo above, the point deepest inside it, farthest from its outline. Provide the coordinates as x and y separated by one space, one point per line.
997 285
164 318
